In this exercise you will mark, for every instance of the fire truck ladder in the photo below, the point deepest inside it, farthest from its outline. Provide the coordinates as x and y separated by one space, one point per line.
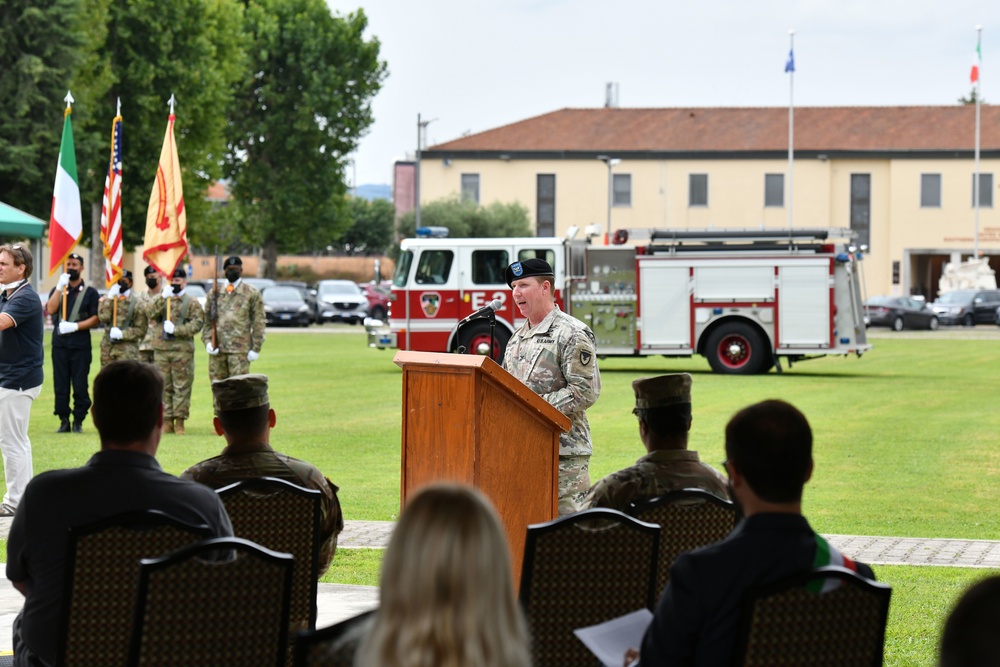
797 241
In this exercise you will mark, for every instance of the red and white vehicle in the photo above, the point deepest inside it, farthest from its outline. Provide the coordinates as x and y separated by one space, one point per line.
743 299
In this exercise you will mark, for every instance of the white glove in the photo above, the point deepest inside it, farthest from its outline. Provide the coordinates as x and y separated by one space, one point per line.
211 350
63 281
114 291
68 327
253 356
168 326
115 333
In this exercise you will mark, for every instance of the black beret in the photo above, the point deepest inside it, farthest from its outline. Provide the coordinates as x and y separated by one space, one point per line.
233 261
149 271
75 256
126 274
527 269
180 273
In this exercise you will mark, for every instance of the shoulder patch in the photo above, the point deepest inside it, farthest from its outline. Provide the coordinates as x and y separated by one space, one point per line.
585 357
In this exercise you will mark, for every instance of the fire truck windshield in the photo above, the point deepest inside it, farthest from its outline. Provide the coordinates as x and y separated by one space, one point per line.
402 268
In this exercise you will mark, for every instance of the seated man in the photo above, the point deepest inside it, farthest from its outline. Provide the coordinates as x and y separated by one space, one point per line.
243 415
769 446
123 477
663 406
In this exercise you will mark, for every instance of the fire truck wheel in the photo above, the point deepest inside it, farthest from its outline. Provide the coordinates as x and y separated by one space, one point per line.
737 349
475 336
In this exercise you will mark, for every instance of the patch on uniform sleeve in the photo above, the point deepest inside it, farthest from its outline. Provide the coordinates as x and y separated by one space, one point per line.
585 357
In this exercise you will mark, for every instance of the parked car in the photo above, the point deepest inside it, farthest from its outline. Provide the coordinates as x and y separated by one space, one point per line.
378 300
197 291
341 301
308 294
900 312
285 305
967 306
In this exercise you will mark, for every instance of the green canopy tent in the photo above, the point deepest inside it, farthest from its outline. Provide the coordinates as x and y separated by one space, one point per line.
16 225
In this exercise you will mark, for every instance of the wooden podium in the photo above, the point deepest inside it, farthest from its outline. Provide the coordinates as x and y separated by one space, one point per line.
468 420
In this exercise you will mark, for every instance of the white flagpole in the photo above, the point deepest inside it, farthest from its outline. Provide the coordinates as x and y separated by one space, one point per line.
791 128
975 181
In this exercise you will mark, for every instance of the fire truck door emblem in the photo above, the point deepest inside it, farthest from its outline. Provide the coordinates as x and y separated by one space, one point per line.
430 302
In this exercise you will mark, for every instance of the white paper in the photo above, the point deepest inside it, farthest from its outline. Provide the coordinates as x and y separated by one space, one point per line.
609 640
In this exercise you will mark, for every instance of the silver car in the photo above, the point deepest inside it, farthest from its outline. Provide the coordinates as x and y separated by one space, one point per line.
341 301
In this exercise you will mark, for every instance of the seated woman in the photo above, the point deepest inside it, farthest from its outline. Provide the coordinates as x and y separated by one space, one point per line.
447 598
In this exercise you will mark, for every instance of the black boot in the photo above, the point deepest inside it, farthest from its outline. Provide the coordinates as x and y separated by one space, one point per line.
63 426
77 426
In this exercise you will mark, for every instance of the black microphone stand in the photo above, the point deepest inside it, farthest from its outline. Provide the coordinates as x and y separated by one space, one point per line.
493 326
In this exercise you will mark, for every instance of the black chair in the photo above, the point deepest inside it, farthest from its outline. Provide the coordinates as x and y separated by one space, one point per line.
102 570
828 617
583 569
688 519
221 602
332 646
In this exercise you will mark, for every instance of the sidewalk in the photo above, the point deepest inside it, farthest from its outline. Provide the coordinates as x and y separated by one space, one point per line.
336 602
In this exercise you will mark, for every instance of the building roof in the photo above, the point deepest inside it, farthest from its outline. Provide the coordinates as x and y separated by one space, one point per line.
728 130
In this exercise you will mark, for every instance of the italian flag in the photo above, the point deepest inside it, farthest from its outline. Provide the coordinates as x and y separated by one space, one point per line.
827 555
977 61
66 221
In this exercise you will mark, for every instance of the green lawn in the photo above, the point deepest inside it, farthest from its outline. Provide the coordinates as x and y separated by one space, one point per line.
905 443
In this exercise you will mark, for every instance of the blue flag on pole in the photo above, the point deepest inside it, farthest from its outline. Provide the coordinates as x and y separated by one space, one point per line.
790 65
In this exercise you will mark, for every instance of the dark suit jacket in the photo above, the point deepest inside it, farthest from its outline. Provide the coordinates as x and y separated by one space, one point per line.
697 617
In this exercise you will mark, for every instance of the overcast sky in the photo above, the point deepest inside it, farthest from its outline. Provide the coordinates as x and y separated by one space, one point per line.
473 65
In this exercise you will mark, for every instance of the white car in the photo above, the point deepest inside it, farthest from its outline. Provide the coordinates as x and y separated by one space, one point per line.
341 301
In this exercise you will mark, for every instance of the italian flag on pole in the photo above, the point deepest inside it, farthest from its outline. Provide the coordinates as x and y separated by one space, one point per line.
66 221
977 61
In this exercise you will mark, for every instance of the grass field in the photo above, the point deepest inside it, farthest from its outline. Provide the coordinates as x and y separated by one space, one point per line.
905 443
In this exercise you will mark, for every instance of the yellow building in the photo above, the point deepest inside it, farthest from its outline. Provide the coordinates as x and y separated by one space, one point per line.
901 177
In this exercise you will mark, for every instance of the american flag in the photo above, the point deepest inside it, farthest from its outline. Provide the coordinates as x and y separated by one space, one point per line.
111 210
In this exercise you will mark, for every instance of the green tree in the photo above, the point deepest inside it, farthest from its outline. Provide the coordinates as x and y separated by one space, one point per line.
971 99
370 232
465 219
301 109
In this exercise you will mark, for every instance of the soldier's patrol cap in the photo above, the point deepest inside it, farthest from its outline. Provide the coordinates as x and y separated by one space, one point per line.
126 274
180 273
240 392
663 390
232 261
149 271
527 269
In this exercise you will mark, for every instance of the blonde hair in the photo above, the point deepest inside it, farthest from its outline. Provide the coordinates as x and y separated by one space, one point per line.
447 596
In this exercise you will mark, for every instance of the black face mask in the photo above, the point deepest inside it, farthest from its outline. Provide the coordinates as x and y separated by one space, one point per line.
232 276
74 274
124 286
151 283
177 288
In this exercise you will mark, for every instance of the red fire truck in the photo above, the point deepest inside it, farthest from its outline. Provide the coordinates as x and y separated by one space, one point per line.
744 299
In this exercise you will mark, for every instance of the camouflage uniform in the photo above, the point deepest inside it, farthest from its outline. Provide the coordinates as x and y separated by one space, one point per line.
260 460
656 473
240 328
558 361
175 357
154 329
132 319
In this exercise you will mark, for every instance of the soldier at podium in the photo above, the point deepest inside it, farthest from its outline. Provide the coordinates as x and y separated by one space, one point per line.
555 355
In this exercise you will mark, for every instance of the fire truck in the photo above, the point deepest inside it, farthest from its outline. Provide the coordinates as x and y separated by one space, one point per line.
744 299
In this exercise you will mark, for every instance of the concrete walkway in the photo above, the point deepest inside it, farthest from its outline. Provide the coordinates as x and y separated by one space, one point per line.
337 602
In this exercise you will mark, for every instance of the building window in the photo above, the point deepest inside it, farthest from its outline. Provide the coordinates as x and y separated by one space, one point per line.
488 267
985 190
545 204
774 190
930 190
470 188
697 189
621 190
861 206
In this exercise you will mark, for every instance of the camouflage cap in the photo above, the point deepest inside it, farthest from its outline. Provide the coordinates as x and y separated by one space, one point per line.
662 390
527 269
240 392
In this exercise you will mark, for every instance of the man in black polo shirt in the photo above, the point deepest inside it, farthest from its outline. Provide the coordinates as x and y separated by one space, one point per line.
71 353
21 359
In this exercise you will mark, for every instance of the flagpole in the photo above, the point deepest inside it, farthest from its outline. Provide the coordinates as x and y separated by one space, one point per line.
791 128
69 109
975 181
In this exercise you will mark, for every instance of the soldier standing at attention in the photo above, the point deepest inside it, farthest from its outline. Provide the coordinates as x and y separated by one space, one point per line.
121 340
239 327
555 355
154 286
174 350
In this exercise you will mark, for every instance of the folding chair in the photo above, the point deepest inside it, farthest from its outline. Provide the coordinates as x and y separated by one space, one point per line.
102 569
828 617
688 519
583 569
221 602
332 646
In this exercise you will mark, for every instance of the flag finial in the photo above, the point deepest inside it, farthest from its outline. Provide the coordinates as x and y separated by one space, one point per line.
69 99
172 101
118 110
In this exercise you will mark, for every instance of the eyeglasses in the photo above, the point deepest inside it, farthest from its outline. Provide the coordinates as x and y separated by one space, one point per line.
725 467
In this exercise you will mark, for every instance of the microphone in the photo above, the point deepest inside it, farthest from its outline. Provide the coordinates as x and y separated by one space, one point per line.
488 309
